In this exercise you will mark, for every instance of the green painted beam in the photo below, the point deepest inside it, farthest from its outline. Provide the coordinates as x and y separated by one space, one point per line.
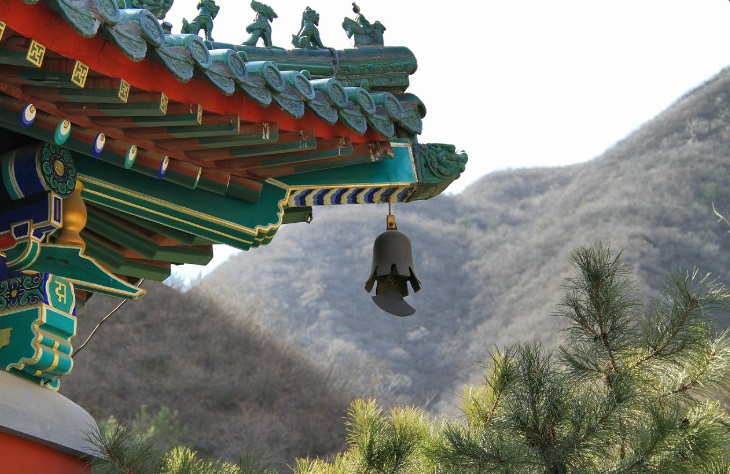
184 238
15 58
246 135
219 218
199 255
214 180
120 232
106 253
362 154
142 104
96 90
297 214
142 109
288 141
212 126
327 148
46 78
398 170
244 189
282 164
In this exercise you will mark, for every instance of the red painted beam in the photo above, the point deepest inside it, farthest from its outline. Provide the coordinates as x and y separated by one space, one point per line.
40 23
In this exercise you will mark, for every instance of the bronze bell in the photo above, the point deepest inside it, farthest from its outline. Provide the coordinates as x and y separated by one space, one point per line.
392 269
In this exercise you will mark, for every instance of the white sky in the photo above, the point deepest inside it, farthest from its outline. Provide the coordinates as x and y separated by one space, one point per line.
520 83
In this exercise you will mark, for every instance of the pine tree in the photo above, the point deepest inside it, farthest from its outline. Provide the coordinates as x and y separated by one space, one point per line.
632 390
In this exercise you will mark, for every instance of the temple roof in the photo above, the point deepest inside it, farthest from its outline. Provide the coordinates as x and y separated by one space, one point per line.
180 143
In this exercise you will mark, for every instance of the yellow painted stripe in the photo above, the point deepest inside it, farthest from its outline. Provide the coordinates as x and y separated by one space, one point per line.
254 233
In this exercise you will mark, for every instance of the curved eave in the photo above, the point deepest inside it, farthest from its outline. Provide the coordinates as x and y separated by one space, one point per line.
212 154
40 23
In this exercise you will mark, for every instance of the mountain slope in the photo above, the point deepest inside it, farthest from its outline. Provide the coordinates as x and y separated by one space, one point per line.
235 386
266 351
492 259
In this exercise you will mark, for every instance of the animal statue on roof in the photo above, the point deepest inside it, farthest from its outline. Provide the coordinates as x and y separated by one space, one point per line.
207 11
308 36
159 8
365 33
442 160
261 27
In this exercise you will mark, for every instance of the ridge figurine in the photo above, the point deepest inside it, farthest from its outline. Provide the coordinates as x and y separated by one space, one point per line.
364 32
207 11
261 27
308 36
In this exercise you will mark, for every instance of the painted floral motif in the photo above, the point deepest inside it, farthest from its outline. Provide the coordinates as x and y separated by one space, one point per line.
21 291
58 169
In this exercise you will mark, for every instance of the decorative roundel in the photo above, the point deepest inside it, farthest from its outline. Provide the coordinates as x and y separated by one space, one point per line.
58 169
27 115
365 101
163 167
393 106
272 76
237 66
304 86
130 157
151 29
63 131
199 52
337 94
98 145
108 10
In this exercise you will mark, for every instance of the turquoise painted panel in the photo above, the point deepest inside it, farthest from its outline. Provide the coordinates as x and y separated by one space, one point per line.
199 212
398 170
35 343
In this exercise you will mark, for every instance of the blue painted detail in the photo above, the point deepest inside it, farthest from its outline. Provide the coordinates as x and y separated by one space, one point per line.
404 194
163 168
318 198
300 200
352 197
360 195
337 196
20 230
23 166
98 145
385 197
57 209
42 212
35 170
28 115
370 195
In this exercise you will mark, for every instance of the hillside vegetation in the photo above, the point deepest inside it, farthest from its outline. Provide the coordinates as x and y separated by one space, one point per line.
291 322
235 386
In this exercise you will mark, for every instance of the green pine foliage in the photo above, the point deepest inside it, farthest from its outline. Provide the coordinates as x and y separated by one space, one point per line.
632 390
118 451
158 444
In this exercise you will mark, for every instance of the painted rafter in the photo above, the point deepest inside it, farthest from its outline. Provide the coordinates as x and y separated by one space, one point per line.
242 135
211 125
286 142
